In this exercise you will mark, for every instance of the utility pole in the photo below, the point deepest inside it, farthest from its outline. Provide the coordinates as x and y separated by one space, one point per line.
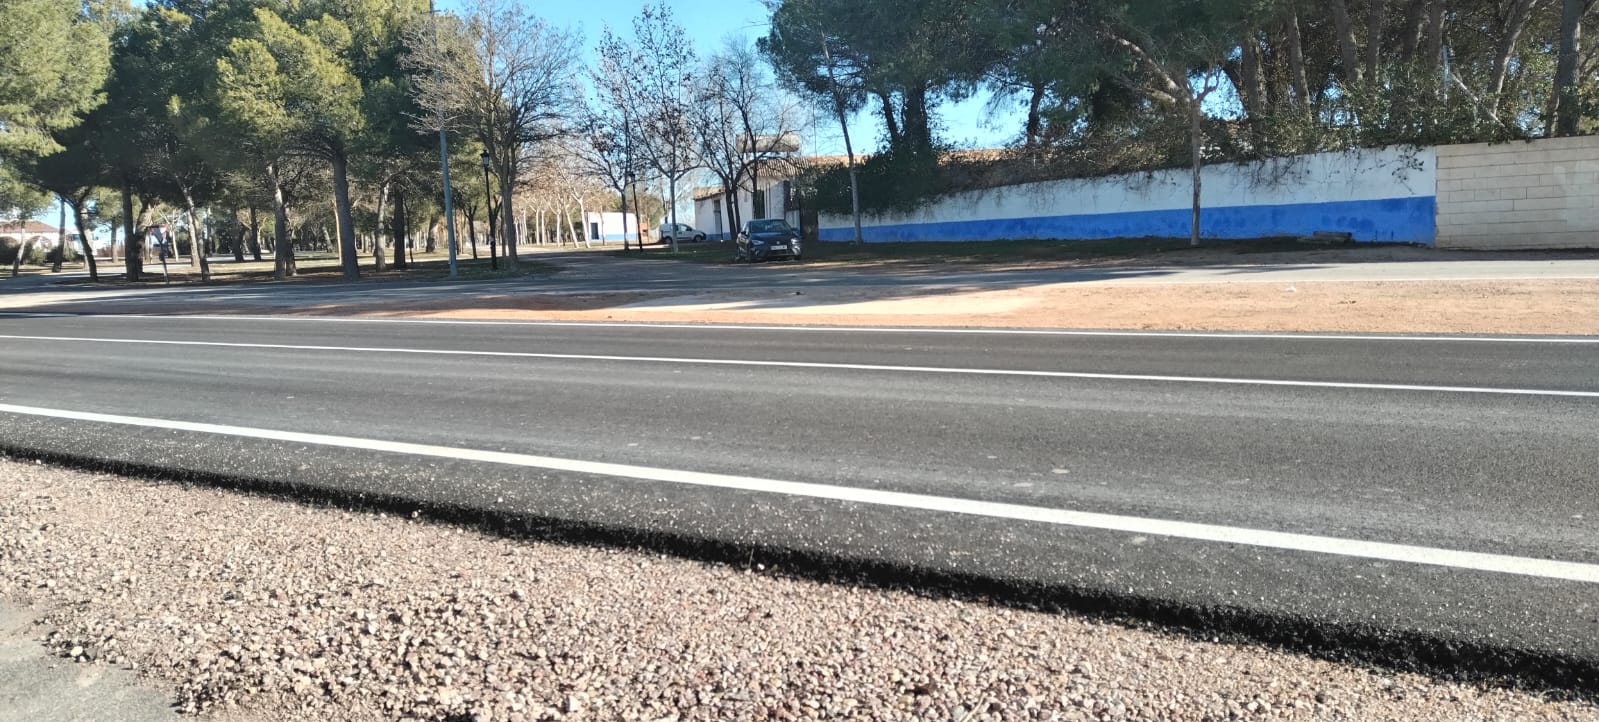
444 154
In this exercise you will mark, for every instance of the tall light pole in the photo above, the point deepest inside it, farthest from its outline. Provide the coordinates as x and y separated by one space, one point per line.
444 154
488 193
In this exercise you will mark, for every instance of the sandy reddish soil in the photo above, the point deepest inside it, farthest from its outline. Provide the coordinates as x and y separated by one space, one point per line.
1499 307
1496 307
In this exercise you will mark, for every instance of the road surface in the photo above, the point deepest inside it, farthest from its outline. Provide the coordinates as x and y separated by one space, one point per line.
1399 490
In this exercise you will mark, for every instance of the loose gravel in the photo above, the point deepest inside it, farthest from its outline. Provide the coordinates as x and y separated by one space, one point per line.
247 607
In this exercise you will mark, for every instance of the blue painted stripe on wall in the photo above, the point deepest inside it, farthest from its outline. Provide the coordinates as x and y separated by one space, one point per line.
1398 220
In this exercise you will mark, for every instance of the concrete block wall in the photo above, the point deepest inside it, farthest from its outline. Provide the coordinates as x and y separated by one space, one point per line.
1376 195
1538 194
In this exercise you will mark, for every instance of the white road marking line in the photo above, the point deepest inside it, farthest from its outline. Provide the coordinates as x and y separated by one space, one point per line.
1475 561
932 330
836 366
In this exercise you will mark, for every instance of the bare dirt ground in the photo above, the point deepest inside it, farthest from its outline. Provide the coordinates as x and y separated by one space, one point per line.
243 607
1484 307
1531 306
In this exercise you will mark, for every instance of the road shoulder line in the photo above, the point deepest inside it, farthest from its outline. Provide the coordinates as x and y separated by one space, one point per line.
1463 560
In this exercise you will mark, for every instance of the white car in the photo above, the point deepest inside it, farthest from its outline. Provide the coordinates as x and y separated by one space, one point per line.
678 232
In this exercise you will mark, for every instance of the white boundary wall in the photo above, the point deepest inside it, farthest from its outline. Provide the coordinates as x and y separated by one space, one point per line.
1376 195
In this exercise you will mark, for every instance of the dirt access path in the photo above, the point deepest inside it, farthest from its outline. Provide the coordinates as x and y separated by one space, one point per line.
1376 290
1232 302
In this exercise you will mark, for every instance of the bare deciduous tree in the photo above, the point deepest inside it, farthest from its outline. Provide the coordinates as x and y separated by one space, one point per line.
504 77
739 119
663 79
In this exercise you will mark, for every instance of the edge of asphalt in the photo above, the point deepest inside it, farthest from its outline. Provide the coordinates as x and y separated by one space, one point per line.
1472 661
38 686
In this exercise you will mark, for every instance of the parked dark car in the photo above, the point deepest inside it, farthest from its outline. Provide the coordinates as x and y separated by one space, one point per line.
767 239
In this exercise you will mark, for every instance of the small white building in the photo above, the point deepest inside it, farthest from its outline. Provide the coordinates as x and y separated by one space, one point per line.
30 232
770 201
608 227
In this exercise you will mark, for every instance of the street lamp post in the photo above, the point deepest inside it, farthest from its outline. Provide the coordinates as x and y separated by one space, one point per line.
628 177
488 196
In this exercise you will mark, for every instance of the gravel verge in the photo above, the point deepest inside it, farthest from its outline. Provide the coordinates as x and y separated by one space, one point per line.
246 607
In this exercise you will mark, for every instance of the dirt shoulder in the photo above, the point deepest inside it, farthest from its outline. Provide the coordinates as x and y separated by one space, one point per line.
1483 307
1520 306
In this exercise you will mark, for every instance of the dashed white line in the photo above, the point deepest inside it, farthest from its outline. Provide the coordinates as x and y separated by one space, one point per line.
1474 561
1215 380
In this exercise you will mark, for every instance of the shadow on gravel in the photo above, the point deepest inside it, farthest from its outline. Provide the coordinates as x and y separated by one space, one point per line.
1556 676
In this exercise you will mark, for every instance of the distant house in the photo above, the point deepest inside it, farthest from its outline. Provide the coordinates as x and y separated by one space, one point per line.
608 227
771 199
30 232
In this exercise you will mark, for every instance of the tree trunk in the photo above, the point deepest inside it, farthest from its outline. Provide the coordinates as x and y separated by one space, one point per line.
432 235
255 237
1196 114
402 229
507 219
671 205
755 187
1035 119
471 227
379 259
1376 23
133 253
638 220
583 215
1435 40
112 252
1348 46
283 250
196 240
1566 112
238 243
1250 94
891 121
82 222
22 252
349 257
841 110
625 213
1414 29
61 237
730 195
1515 22
1299 82
915 125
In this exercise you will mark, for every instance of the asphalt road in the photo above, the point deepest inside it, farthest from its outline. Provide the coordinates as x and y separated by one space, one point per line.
1404 491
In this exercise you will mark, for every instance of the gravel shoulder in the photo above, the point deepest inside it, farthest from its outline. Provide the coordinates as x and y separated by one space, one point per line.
247 607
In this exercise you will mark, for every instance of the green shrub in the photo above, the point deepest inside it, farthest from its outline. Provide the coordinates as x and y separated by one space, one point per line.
9 246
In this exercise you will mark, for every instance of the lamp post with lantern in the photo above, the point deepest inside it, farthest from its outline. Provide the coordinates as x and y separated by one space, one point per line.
488 199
